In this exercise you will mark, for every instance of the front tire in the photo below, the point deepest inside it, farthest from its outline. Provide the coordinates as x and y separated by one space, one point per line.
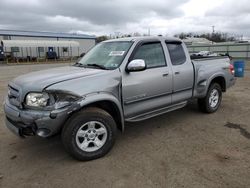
89 134
212 101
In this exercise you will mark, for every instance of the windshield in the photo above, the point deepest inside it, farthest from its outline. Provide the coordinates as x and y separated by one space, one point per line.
106 55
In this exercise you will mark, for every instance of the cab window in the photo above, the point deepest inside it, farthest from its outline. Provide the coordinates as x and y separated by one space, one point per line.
177 54
152 54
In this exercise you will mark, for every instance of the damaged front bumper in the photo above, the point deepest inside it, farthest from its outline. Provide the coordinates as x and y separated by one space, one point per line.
27 122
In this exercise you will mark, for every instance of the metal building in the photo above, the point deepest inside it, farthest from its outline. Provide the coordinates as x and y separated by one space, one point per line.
39 46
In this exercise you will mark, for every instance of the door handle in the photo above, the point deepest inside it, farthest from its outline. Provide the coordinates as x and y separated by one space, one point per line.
177 72
165 74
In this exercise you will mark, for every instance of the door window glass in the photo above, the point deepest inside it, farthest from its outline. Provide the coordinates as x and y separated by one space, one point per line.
176 53
152 54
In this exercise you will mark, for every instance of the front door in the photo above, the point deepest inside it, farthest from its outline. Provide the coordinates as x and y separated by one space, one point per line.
150 89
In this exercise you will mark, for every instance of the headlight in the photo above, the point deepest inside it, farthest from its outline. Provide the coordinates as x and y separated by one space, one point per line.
37 99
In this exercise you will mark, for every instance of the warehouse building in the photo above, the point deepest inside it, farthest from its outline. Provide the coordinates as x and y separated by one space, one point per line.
196 40
39 46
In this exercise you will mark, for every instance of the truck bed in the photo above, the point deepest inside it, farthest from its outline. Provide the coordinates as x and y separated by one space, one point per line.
211 60
194 57
207 68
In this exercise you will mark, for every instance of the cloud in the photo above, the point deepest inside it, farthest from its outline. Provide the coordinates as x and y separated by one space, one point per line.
109 16
230 8
66 15
232 16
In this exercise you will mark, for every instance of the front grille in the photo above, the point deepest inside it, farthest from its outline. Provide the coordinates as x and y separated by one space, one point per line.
14 96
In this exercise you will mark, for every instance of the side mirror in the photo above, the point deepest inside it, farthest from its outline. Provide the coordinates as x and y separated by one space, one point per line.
136 65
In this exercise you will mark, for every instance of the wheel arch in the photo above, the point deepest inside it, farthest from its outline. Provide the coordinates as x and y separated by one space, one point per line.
219 80
106 102
111 108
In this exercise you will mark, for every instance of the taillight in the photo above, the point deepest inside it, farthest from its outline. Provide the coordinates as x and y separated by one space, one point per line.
231 69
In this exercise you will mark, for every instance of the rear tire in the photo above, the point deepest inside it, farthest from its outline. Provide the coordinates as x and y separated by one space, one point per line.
212 101
89 134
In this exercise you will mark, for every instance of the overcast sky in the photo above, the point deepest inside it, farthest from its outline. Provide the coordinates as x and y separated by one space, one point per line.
166 17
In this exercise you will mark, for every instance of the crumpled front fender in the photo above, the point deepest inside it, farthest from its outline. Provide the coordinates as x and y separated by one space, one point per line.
99 97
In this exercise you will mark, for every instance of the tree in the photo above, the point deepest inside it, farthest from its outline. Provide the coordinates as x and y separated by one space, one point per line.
215 37
101 38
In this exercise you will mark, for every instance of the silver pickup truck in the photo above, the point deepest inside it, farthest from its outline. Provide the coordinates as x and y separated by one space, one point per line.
118 81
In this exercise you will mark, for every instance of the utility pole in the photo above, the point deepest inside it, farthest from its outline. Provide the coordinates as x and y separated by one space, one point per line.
213 29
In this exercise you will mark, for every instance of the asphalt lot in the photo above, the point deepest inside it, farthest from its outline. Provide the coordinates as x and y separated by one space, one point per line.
184 148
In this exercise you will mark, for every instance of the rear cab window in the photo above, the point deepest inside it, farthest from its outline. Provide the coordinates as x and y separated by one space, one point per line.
176 52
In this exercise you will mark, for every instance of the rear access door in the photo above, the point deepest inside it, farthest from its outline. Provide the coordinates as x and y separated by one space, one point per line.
183 71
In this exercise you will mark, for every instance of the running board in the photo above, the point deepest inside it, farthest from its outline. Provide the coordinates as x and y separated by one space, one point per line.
156 112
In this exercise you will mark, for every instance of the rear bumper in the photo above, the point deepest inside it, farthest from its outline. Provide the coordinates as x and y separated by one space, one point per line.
32 122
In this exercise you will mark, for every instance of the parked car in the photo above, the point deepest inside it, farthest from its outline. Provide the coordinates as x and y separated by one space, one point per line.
206 53
51 55
1 54
118 81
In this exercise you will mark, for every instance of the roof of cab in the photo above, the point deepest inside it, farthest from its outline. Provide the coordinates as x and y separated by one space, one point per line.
133 39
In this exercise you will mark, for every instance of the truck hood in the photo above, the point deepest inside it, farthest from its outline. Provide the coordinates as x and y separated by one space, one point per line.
37 81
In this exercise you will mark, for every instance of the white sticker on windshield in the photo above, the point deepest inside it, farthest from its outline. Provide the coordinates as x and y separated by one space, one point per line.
116 53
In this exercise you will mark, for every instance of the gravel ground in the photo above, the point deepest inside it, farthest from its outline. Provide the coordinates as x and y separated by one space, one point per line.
184 148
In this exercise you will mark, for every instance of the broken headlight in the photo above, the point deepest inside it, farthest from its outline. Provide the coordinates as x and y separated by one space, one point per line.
51 100
37 99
